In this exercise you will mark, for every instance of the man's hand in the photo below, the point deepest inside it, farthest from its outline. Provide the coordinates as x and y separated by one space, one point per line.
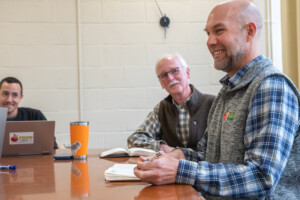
165 148
160 171
176 153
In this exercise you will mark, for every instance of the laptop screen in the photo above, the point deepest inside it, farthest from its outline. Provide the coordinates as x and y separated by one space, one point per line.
3 114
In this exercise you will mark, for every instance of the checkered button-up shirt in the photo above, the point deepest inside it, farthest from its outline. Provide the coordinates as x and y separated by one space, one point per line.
148 135
271 127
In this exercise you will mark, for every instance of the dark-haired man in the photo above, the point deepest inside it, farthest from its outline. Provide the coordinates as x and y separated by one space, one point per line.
11 94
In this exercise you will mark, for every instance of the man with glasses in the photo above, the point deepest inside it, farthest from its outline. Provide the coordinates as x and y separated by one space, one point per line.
11 94
180 119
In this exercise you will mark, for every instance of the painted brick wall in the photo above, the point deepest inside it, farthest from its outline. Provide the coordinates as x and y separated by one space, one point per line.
119 41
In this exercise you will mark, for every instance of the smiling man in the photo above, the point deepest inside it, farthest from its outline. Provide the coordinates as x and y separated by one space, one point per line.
11 94
251 147
180 119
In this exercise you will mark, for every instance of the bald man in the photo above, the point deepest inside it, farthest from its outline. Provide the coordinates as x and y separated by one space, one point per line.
251 145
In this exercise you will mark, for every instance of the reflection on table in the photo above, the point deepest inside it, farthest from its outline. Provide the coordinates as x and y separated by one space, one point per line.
179 192
40 177
80 184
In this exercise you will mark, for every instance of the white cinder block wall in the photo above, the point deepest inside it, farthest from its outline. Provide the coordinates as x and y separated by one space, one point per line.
94 59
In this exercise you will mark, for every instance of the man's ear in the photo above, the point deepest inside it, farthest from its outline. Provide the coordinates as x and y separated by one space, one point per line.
22 95
251 31
188 72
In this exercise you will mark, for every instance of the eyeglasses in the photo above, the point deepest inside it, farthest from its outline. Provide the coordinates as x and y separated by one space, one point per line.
164 76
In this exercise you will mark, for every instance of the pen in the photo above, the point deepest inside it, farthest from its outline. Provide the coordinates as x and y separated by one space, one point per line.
156 155
13 167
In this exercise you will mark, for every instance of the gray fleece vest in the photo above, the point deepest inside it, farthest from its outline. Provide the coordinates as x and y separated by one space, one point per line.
226 142
198 107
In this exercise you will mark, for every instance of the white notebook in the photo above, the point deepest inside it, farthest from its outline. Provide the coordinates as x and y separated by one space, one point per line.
121 152
121 172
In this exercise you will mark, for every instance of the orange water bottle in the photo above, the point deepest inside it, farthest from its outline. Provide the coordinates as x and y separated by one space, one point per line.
79 133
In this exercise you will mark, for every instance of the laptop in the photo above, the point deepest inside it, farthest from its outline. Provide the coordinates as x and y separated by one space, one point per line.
28 138
3 114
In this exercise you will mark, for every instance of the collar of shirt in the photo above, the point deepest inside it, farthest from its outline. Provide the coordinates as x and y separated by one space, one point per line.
184 104
231 82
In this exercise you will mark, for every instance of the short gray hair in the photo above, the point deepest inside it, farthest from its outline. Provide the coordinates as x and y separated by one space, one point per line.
175 55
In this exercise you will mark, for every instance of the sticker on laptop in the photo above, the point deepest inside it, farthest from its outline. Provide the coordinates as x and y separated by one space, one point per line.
21 138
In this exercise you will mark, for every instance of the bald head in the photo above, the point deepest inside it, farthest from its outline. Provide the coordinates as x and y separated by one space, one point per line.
233 29
242 11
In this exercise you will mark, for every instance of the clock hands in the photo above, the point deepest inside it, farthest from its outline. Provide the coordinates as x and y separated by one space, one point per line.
164 20
159 8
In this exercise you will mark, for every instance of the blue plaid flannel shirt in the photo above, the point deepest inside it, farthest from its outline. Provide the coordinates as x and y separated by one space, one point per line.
274 110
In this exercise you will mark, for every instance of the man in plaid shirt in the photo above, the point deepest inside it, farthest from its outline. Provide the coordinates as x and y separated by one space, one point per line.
180 119
251 147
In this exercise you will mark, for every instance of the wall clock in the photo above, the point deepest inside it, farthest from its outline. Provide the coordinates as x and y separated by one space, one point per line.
164 20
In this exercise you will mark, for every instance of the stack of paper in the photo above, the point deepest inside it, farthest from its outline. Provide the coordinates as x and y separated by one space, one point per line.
121 172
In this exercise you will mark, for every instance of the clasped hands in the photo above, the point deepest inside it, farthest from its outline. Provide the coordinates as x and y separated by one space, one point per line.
161 170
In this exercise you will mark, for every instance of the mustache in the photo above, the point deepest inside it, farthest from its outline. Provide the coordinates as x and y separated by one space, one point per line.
173 83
